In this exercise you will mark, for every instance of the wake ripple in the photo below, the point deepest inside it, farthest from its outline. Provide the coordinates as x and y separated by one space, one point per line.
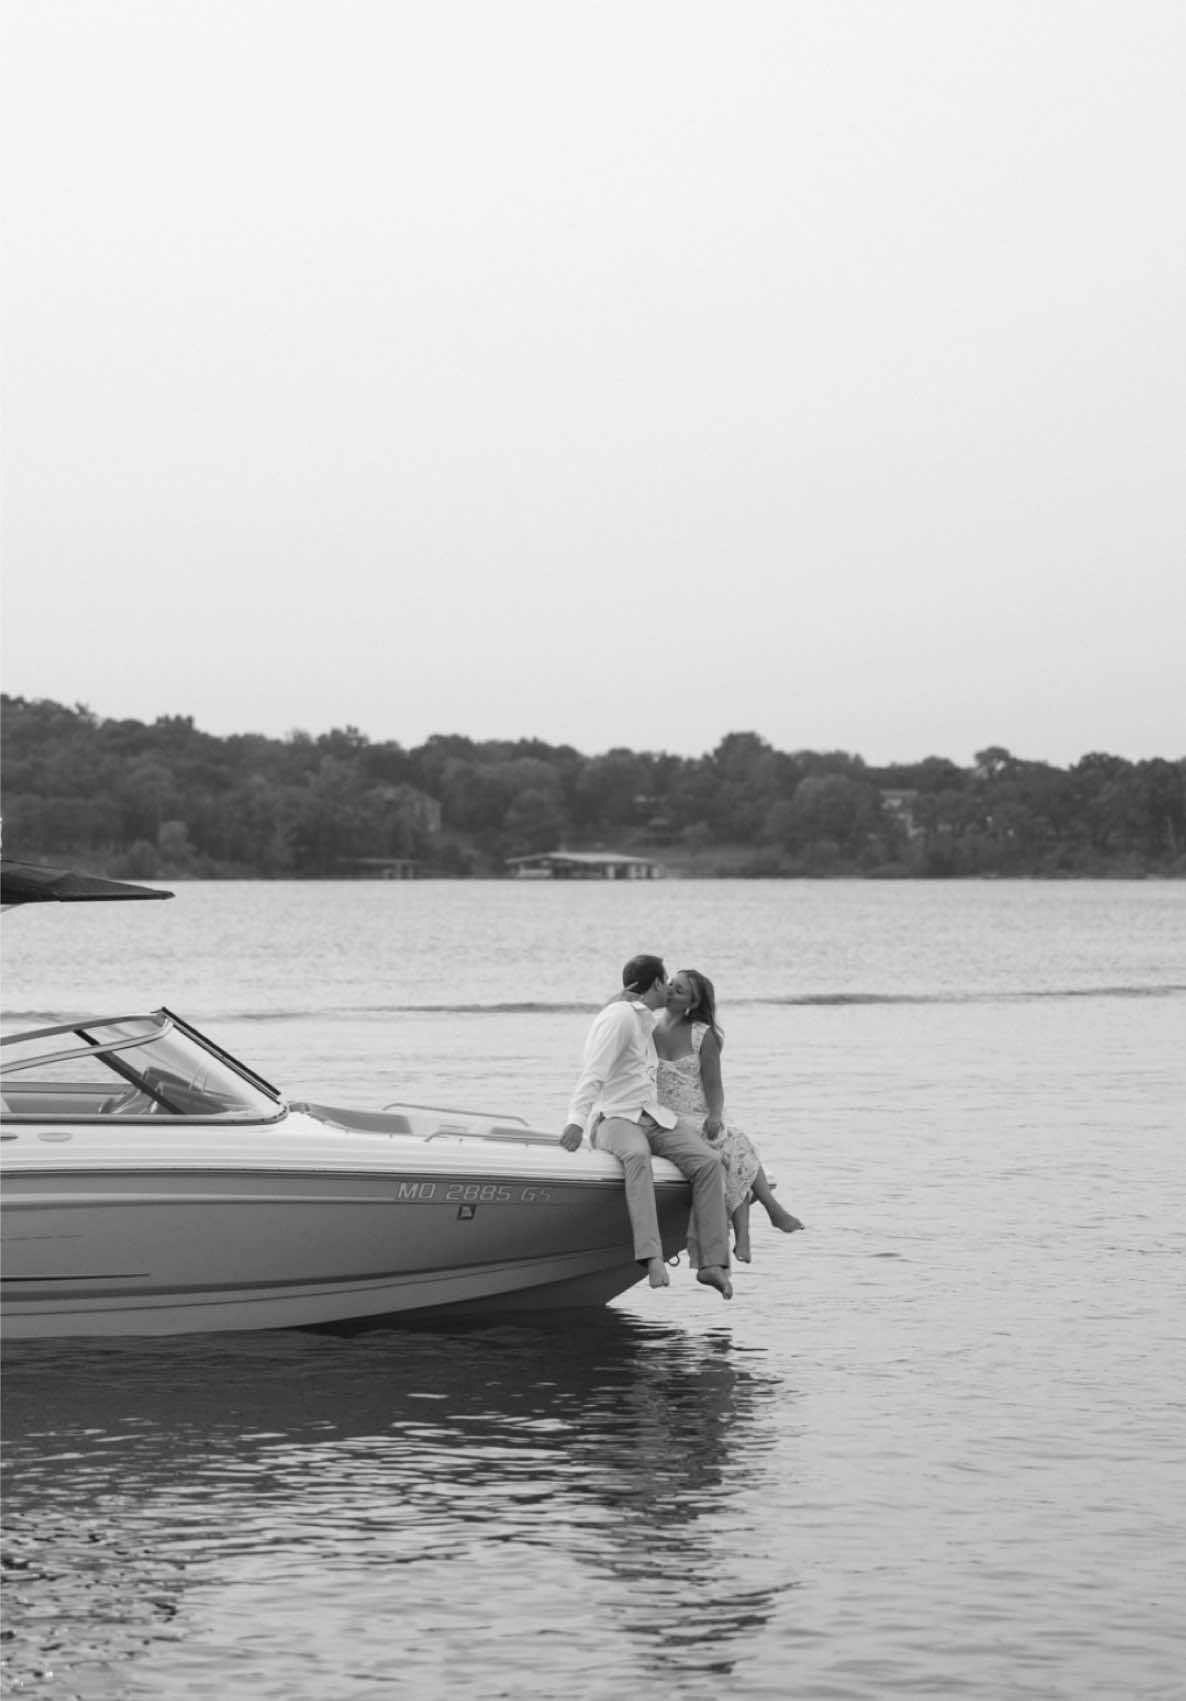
999 996
806 1000
562 1007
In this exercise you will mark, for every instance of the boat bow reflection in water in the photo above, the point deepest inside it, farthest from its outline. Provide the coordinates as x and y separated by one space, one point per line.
323 1512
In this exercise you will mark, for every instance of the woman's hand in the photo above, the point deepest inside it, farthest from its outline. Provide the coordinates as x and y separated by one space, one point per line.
712 1127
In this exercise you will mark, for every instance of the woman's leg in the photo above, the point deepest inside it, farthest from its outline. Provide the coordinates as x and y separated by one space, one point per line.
741 1246
764 1194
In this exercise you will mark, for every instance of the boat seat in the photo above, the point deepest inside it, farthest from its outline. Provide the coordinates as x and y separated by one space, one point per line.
517 1135
364 1121
525 1136
42 1099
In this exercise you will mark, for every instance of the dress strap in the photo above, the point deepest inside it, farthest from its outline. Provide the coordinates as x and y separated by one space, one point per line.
699 1029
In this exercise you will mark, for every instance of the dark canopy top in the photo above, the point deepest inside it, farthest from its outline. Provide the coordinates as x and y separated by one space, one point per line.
25 883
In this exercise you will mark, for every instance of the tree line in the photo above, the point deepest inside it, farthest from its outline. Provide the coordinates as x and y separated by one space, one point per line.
165 799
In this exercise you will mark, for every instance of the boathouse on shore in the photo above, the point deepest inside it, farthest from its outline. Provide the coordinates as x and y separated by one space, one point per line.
584 865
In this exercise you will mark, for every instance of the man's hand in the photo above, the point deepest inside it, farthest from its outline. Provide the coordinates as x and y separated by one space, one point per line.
572 1136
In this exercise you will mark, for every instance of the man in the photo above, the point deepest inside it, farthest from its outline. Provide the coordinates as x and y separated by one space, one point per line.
618 1075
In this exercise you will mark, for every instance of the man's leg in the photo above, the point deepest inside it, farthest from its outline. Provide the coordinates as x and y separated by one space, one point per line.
630 1146
694 1158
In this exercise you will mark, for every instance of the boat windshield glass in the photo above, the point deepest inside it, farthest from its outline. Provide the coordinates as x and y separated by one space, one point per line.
130 1067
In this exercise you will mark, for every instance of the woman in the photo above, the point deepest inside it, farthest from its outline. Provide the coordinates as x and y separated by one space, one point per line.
689 1042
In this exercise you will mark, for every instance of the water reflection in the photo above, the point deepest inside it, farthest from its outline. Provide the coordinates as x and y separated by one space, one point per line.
168 1501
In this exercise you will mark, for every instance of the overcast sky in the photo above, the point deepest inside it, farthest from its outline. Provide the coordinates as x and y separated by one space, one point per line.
605 371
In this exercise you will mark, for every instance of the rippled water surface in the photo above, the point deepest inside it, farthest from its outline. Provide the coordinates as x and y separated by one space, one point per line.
933 1447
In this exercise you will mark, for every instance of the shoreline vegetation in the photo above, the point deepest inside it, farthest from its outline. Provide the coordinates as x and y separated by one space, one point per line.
164 800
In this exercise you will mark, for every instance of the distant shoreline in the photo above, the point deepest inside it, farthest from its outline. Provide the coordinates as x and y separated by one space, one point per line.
168 801
115 868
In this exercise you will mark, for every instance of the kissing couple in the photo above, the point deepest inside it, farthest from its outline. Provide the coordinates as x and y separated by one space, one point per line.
617 1097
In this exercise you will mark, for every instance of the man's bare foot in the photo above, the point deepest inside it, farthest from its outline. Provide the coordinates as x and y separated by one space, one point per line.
713 1276
657 1273
741 1246
782 1219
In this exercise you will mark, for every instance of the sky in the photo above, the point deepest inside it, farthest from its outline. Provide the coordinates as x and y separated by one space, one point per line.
616 374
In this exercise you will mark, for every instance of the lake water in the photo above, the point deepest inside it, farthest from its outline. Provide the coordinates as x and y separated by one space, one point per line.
933 1447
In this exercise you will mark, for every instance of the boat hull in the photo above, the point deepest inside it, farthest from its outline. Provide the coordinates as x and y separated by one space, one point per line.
123 1248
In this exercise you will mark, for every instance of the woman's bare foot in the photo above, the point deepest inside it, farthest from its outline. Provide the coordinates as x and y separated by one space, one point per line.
782 1219
657 1273
713 1276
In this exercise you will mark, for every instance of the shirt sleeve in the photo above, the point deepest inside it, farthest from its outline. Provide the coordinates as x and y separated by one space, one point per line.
607 1036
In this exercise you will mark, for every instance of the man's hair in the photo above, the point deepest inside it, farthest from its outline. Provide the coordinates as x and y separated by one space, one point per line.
641 973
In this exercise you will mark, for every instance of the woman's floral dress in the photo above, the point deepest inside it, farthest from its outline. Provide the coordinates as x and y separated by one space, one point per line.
682 1090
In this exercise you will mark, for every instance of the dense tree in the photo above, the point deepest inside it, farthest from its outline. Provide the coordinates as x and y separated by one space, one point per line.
166 798
534 821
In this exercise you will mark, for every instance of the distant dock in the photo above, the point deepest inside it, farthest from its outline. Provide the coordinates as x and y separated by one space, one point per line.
584 865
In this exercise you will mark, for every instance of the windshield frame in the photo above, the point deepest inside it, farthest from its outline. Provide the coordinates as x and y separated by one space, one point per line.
154 1084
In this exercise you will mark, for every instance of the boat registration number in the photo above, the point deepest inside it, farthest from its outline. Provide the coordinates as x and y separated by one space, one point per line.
472 1193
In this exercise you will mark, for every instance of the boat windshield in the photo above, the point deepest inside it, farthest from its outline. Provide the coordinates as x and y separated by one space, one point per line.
130 1067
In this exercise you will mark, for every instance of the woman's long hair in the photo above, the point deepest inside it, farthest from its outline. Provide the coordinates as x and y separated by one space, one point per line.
703 1007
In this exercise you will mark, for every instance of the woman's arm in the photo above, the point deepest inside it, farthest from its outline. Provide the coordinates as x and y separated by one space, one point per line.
710 1080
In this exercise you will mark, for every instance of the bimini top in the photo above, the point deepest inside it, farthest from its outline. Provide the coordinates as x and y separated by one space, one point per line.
26 883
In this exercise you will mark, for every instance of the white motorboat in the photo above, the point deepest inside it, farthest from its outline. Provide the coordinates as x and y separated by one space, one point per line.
155 1185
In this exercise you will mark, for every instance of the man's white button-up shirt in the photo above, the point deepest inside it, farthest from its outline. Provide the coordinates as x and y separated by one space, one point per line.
619 1068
